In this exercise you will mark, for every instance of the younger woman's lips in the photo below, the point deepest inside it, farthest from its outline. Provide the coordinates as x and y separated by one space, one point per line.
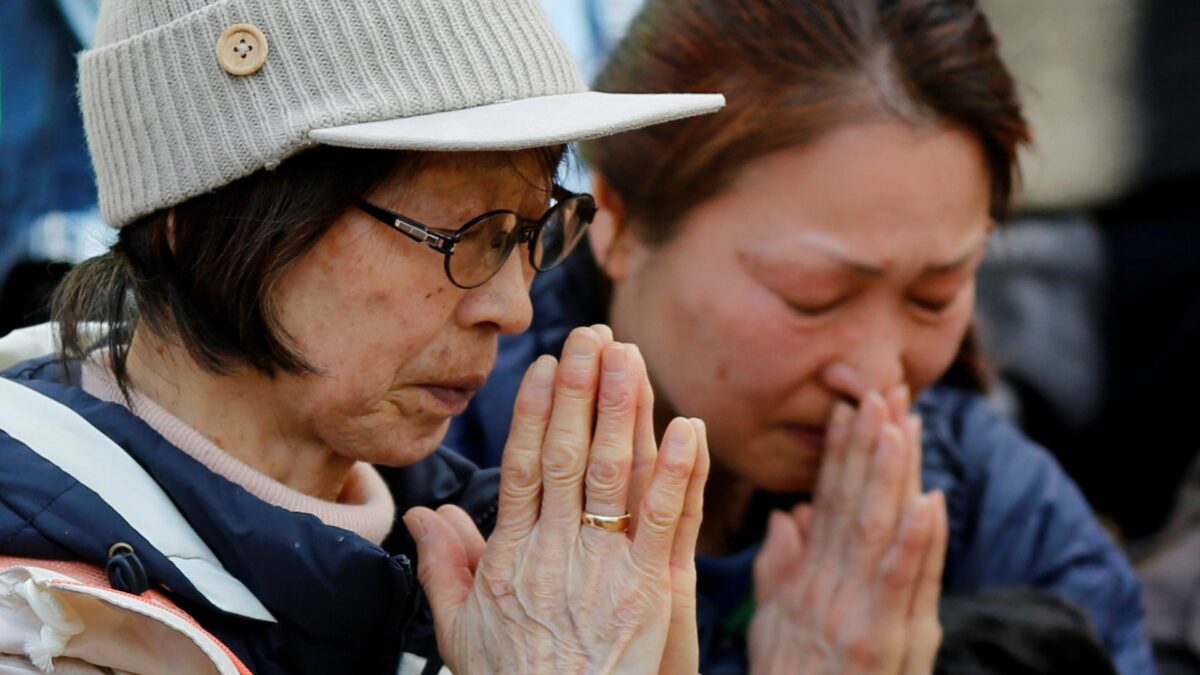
807 435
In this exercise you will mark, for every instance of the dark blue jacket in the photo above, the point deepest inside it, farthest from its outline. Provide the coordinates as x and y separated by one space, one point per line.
343 604
44 163
1015 517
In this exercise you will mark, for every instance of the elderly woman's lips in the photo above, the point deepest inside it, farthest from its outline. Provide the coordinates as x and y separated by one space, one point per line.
453 398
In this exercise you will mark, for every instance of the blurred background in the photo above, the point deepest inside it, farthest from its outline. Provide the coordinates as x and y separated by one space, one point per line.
1089 302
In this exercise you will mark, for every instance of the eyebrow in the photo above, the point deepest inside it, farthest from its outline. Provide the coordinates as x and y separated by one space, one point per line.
870 270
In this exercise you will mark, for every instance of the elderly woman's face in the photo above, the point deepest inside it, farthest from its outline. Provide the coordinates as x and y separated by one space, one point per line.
398 347
823 272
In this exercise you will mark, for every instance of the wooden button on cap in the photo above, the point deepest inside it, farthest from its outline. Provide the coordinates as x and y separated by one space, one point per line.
242 50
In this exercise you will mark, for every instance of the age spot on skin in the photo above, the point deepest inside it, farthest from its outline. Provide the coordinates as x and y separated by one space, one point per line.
378 300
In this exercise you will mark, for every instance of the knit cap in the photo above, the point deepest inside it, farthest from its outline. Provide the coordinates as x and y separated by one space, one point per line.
181 97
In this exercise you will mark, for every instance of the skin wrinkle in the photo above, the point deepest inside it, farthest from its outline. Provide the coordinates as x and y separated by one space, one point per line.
725 294
349 307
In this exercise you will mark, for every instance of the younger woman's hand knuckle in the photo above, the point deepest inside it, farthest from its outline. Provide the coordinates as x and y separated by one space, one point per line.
895 577
864 653
870 529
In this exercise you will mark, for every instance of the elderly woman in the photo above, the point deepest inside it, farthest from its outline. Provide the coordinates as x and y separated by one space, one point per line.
328 212
808 251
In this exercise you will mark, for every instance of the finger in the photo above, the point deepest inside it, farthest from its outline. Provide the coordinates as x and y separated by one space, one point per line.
846 497
899 400
569 434
683 630
468 533
521 463
606 490
914 430
926 632
442 566
658 516
604 333
875 523
683 552
830 476
645 445
901 565
780 550
802 515
925 600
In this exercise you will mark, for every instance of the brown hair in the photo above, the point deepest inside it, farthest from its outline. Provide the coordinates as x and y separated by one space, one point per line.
791 71
202 274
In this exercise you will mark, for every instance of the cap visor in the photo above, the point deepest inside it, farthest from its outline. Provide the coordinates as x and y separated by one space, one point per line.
521 124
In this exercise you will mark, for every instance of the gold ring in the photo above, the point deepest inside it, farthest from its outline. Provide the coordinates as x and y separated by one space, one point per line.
606 523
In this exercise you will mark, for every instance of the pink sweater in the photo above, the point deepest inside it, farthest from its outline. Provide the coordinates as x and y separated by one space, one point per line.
365 506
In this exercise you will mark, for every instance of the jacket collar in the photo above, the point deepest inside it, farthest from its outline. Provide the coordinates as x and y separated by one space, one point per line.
339 599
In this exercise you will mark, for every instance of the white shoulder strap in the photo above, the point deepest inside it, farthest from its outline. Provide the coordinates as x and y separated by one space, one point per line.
63 437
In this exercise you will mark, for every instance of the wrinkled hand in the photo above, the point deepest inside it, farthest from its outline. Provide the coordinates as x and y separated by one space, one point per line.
850 584
546 594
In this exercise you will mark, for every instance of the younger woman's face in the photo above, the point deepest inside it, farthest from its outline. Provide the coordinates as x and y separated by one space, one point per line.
824 272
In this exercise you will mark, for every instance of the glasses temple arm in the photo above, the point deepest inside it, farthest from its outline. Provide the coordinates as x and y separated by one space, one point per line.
410 228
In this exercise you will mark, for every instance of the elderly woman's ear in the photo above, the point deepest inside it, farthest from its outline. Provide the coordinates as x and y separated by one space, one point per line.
618 250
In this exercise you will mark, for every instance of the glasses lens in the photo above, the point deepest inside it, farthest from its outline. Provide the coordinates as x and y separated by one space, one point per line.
482 250
561 231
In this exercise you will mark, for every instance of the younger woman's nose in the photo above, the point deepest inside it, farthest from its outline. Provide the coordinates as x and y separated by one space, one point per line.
855 382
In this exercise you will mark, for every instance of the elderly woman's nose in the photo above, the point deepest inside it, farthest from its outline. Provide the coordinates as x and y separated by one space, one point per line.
504 300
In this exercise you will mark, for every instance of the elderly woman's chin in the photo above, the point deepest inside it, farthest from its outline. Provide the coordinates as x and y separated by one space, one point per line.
391 435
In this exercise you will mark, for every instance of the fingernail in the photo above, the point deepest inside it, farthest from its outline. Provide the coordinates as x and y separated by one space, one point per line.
875 407
582 345
541 375
683 435
888 443
839 422
635 350
616 361
777 520
938 499
415 527
924 505
913 424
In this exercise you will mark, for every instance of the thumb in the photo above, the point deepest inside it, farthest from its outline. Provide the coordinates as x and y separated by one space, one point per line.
443 566
780 550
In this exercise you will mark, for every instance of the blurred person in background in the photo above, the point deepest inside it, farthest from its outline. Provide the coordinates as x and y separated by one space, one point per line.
817 243
1018 631
1091 299
48 214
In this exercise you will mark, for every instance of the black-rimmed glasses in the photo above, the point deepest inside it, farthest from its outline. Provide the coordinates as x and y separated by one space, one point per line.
478 249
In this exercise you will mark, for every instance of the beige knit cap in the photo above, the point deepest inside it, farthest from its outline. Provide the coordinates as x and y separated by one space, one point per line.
181 97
